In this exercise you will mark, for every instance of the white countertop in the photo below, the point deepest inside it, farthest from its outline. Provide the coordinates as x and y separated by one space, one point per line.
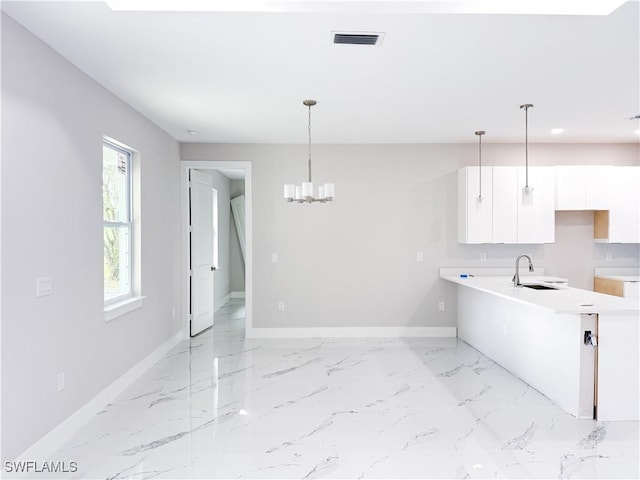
622 274
563 300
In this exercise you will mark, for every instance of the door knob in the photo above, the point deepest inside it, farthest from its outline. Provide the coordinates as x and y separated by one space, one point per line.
213 269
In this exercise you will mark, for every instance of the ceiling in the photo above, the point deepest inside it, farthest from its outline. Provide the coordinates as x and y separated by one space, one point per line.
240 77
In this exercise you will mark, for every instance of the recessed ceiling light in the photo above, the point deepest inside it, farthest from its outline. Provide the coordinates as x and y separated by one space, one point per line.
193 132
557 131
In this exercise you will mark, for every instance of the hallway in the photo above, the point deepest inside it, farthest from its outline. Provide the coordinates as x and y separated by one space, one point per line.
220 406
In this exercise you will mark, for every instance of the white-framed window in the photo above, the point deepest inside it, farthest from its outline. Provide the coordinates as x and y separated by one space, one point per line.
118 228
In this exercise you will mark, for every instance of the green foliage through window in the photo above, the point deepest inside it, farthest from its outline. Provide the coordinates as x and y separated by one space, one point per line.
116 202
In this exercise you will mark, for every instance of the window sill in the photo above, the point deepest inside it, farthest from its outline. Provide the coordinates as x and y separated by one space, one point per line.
121 308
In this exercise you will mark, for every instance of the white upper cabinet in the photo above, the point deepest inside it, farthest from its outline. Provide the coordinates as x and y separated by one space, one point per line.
580 187
508 215
505 205
570 187
474 214
624 214
503 215
598 187
536 210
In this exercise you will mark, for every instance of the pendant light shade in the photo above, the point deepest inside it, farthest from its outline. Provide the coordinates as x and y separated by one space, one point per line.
479 133
304 192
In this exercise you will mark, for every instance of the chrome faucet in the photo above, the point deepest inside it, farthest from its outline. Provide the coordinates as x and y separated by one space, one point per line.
516 277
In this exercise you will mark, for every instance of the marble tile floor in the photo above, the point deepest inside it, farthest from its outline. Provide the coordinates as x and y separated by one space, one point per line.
221 406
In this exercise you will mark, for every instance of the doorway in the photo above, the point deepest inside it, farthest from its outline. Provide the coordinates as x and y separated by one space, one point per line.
231 172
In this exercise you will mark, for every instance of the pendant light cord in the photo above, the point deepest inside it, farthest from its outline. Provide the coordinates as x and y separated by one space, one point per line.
526 146
309 143
479 133
526 107
480 163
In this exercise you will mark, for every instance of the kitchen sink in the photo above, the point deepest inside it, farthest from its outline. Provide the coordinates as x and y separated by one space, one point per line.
537 286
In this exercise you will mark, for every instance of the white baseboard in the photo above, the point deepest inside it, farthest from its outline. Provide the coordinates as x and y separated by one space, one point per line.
351 332
222 303
237 294
53 440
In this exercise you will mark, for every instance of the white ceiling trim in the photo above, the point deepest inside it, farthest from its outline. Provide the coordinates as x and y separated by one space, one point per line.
511 7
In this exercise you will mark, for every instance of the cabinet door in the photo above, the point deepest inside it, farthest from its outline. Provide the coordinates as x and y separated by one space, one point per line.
598 187
536 213
570 187
475 216
624 221
505 204
632 290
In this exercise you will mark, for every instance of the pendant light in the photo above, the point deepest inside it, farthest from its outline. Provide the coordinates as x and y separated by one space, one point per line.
527 192
304 193
479 133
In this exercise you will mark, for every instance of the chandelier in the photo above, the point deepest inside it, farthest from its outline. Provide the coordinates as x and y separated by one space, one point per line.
304 193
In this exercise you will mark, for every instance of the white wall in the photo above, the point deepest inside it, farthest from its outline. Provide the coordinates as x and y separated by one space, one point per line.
54 118
353 262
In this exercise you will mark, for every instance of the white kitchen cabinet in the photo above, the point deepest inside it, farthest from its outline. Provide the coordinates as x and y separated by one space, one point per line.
598 187
536 214
518 218
624 212
570 187
618 285
504 216
583 187
475 216
505 205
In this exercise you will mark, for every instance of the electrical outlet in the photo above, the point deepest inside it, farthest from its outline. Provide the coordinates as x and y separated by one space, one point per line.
609 256
281 306
441 306
274 257
419 256
483 257
44 286
60 381
173 313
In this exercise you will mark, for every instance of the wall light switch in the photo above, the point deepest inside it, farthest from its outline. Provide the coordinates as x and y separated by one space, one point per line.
60 382
44 286
419 256
274 257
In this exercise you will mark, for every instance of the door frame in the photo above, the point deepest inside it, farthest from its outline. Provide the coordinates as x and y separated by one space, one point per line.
185 166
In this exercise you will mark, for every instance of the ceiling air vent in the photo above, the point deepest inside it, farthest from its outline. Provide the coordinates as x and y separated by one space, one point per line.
357 38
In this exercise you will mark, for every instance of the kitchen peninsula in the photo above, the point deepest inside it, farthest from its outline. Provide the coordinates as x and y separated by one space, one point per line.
579 348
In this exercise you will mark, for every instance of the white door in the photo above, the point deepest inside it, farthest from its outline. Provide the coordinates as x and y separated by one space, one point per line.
202 260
